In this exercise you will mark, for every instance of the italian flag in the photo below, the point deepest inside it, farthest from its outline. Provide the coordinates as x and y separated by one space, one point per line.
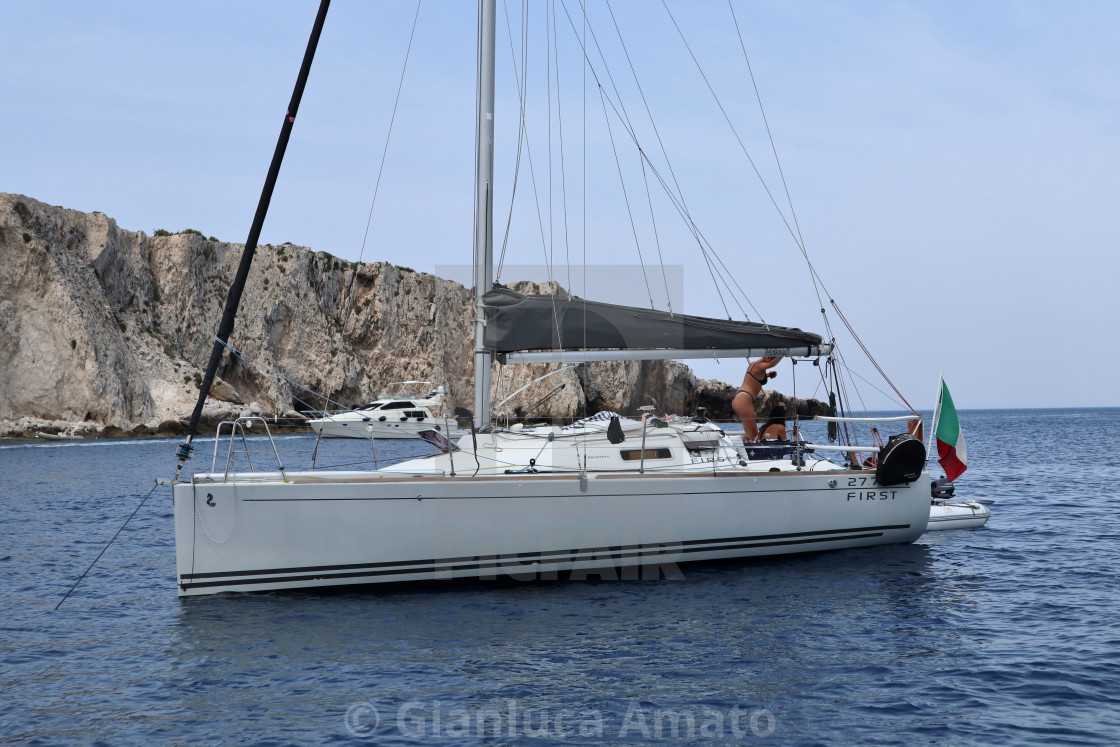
951 451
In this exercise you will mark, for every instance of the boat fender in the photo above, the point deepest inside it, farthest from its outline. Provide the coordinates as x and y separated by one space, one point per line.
614 431
832 431
901 460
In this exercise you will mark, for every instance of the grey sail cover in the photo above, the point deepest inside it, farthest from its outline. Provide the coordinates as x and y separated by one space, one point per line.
516 322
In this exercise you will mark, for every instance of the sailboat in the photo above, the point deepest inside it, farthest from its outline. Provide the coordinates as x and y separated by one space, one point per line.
606 497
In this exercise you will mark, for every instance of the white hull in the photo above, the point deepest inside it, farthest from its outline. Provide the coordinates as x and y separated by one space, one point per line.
958 515
338 428
633 498
57 436
321 529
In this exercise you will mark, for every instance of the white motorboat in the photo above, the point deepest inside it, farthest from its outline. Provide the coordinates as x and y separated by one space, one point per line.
608 497
957 515
395 414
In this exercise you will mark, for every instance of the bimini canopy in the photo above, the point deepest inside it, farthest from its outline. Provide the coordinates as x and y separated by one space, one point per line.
516 323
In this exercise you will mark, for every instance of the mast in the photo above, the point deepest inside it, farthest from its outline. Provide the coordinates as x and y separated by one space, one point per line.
233 300
483 207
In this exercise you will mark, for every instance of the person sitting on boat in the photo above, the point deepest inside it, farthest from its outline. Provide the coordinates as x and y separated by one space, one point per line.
743 401
775 427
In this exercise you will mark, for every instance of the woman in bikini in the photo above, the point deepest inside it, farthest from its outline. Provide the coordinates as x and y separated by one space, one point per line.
775 427
743 401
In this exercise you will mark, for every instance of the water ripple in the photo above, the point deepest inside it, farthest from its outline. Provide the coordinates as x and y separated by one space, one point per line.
1008 634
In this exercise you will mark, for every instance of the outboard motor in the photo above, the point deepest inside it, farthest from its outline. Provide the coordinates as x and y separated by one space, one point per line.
942 489
901 460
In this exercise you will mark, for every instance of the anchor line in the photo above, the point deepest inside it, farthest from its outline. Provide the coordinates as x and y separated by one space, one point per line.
91 565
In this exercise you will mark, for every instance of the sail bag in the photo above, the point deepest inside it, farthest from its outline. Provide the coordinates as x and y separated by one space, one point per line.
517 322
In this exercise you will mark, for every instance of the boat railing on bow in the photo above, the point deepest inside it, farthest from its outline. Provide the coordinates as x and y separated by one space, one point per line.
237 428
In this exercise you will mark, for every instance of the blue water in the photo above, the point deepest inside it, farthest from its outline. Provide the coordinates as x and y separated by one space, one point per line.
1008 634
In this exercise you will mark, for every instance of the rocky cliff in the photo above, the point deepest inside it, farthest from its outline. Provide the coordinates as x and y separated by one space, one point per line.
109 330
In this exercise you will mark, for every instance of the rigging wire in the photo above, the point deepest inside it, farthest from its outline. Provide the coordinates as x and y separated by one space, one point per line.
818 283
624 117
799 239
583 177
521 135
522 94
766 123
852 372
612 99
709 255
626 198
548 136
381 167
619 109
277 379
103 549
734 131
869 356
560 131
656 236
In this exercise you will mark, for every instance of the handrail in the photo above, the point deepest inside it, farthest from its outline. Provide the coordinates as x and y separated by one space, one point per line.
236 426
837 447
891 419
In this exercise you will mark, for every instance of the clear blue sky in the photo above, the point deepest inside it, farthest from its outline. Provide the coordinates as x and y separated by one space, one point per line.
955 166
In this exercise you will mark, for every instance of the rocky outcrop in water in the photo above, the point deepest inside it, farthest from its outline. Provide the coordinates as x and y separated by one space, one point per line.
109 330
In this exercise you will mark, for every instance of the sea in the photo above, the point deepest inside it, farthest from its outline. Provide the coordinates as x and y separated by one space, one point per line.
1007 634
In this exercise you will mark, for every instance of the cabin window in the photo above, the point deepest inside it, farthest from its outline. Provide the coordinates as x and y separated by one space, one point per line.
415 413
635 455
398 406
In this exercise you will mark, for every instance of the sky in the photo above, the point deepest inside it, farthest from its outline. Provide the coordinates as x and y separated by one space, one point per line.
954 167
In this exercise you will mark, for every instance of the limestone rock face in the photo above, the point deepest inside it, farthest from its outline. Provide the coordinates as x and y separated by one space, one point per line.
64 349
113 329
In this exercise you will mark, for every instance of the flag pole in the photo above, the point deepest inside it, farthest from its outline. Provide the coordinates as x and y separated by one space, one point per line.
936 414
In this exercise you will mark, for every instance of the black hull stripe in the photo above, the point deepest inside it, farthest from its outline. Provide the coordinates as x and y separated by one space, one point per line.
411 494
506 565
428 563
